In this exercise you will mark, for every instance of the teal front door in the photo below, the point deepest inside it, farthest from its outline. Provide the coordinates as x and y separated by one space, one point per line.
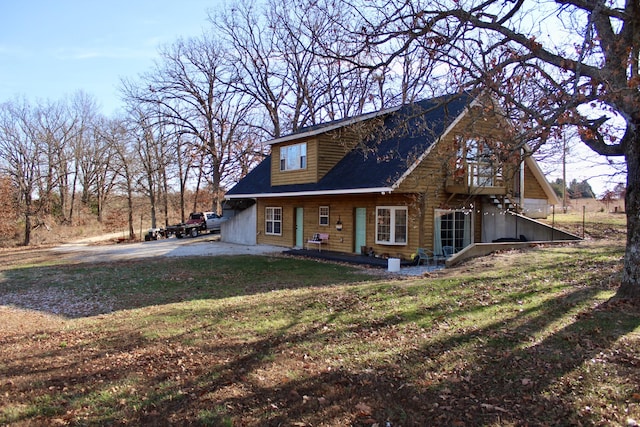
360 229
299 228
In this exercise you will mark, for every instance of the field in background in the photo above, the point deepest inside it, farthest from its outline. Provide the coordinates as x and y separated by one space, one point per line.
591 219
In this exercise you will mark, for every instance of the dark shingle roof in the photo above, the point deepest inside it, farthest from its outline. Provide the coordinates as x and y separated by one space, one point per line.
376 163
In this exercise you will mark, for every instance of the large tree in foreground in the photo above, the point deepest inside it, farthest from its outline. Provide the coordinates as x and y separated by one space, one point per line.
553 65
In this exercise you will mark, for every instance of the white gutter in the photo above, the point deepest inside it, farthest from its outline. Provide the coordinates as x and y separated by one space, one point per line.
381 190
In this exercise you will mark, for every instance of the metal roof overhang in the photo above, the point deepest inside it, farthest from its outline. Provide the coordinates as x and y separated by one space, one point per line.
382 190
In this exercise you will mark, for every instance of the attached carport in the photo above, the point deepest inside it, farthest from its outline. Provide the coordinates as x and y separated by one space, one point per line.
241 226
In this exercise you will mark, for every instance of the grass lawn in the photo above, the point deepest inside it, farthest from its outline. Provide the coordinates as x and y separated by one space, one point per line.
516 338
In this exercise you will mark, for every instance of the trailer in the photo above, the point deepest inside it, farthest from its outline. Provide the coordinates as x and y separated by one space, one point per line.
198 223
182 230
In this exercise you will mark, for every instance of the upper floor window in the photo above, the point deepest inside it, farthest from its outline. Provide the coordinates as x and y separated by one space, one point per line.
391 225
293 157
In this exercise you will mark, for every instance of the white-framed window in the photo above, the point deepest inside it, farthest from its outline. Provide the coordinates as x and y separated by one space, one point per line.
293 157
273 221
323 213
391 225
453 230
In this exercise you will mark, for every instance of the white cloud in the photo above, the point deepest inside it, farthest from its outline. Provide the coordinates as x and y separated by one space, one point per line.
117 53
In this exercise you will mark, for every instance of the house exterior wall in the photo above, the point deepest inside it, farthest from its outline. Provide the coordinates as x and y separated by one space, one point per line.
536 208
332 147
532 188
419 228
343 208
433 171
324 151
498 224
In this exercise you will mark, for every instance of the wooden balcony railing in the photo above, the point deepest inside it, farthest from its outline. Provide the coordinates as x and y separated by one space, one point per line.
477 178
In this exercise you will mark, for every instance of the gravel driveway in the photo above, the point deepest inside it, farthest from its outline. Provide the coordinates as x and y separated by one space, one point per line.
206 245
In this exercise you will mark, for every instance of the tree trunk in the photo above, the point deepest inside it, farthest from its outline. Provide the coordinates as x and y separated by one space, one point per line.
132 233
152 200
195 197
27 229
217 203
74 186
630 285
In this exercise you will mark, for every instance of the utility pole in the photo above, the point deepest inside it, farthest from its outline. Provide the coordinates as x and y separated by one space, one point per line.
564 174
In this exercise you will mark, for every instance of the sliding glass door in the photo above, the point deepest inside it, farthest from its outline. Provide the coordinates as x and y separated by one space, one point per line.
453 230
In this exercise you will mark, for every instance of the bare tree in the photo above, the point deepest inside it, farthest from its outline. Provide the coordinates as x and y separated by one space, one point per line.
187 158
83 151
52 126
568 63
22 158
8 208
255 60
151 149
278 59
125 164
100 163
191 91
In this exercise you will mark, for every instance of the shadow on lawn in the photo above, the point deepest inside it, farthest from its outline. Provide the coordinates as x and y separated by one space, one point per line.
513 378
513 374
85 289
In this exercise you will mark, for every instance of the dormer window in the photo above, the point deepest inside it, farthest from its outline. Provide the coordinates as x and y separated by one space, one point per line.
293 157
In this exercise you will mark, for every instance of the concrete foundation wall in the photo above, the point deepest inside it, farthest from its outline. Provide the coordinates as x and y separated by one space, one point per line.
498 224
241 228
482 249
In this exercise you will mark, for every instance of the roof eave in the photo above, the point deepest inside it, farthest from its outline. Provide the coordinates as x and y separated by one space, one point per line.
381 190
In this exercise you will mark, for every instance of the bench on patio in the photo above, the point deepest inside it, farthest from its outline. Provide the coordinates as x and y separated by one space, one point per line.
319 239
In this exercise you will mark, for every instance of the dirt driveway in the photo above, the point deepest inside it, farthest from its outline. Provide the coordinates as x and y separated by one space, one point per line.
206 245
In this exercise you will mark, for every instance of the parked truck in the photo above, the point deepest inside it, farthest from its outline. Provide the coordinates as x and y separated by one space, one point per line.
198 222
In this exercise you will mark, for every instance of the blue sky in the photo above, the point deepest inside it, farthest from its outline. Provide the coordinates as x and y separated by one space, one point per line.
51 49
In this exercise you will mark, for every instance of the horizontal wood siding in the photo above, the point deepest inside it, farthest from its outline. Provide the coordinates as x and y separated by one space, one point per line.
420 227
343 208
310 174
532 188
428 178
324 151
332 147
431 173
